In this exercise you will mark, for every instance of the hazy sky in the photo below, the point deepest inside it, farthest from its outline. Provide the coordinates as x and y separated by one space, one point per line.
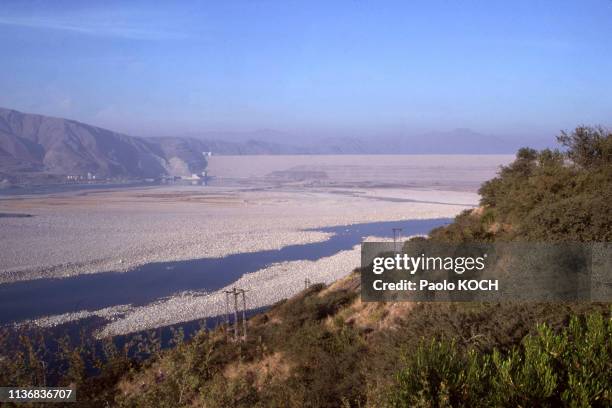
348 67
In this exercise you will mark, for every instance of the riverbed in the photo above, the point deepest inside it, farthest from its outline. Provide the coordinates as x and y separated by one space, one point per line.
150 256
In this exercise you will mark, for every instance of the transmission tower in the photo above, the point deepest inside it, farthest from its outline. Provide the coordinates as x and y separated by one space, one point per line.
397 236
236 293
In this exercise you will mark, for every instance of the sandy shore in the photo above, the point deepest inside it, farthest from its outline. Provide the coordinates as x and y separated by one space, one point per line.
123 229
265 287
71 234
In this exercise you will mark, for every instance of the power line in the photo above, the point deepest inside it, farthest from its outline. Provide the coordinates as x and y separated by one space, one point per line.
235 292
397 235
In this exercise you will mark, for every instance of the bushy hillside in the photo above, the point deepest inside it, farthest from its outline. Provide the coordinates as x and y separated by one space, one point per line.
550 195
327 348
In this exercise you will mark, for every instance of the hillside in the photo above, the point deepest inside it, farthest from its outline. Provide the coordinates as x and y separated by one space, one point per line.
41 144
546 195
325 348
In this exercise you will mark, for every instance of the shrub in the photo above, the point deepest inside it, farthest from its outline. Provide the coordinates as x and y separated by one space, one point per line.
548 195
569 368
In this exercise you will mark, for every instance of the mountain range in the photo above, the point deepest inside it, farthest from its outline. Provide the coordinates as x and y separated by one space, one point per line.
37 144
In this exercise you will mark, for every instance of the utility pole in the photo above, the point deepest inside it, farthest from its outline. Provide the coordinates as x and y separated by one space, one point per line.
244 322
236 293
227 322
397 235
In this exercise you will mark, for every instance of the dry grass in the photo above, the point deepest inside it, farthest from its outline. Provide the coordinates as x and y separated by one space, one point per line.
275 365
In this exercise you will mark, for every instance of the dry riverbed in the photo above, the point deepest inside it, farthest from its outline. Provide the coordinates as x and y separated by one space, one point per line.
76 233
255 204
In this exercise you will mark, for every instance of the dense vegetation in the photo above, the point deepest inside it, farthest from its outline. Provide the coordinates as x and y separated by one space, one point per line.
549 195
571 368
325 348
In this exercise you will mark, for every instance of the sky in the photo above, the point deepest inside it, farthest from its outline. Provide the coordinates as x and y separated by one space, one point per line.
311 68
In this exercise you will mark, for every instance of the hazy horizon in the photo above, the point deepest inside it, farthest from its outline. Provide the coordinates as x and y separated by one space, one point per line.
504 144
312 70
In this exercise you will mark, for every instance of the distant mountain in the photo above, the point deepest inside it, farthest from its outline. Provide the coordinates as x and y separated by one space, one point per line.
457 141
32 143
36 144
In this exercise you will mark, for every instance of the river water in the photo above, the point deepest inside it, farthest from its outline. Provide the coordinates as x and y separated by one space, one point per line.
148 283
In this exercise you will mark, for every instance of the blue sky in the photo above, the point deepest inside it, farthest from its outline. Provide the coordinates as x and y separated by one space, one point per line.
362 68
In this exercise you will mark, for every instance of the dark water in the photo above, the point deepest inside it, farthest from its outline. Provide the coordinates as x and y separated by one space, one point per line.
83 332
143 285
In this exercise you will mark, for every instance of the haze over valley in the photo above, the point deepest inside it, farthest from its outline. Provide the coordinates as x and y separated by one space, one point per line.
43 149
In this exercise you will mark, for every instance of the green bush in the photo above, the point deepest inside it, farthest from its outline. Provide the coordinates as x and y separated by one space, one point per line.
571 368
549 195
